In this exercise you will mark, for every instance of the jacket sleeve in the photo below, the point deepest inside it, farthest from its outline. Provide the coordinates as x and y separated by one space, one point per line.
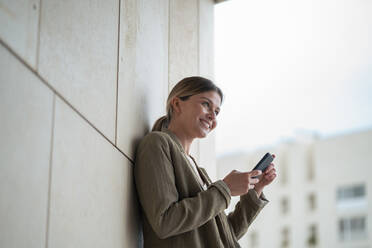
155 182
246 210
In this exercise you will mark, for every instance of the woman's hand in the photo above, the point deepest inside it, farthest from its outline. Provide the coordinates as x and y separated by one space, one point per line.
265 179
240 182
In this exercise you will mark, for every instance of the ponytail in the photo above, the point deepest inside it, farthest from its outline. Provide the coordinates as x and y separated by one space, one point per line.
160 123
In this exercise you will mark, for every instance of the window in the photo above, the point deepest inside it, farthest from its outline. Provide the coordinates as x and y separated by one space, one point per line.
312 239
311 200
353 228
285 238
351 192
284 205
351 197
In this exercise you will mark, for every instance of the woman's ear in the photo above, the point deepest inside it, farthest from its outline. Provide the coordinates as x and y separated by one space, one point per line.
175 102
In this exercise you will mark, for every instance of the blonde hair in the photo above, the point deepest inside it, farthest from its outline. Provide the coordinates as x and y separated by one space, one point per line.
184 89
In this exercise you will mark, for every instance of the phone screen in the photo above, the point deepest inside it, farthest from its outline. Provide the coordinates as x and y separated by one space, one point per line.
264 162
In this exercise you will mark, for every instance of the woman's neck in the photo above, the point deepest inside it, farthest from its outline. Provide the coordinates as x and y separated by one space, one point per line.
182 136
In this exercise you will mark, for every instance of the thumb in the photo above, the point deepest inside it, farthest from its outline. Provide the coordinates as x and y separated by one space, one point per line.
255 173
232 173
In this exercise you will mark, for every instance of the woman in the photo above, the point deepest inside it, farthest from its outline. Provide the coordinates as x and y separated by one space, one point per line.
181 206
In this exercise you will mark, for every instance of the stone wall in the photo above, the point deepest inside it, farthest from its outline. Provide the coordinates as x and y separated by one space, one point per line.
80 83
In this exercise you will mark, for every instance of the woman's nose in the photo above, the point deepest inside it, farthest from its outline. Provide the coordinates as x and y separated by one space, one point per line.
211 115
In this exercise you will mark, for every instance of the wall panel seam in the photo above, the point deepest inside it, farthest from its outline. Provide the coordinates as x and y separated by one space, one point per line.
60 96
169 43
198 56
117 79
38 38
50 172
166 87
198 33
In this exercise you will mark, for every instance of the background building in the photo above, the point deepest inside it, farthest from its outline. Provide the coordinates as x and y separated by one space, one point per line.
80 83
321 197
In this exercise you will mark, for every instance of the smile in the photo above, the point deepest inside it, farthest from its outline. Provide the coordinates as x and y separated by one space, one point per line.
205 124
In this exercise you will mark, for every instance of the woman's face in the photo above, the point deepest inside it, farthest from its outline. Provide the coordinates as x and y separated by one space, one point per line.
198 113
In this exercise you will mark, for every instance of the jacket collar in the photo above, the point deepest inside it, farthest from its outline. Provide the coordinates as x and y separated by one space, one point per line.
203 174
174 138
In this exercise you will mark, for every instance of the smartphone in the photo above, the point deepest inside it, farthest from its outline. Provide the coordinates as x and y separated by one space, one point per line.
264 162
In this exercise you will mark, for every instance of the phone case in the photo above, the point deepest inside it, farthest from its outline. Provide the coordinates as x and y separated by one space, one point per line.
264 162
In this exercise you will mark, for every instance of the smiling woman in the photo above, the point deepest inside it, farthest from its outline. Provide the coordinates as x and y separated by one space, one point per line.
182 207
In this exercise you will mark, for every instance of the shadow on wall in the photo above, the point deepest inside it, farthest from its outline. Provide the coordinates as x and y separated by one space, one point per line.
135 213
144 124
145 127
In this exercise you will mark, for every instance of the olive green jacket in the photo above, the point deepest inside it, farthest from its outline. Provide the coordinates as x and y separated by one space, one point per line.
177 211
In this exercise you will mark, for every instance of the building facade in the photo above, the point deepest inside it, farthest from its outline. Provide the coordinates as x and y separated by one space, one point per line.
321 197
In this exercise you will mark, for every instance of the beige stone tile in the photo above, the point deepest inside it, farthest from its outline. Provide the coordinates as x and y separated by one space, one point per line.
93 200
26 109
204 149
143 69
206 38
19 27
183 47
183 40
78 56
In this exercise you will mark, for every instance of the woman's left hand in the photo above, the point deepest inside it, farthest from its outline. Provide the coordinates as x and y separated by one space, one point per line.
266 178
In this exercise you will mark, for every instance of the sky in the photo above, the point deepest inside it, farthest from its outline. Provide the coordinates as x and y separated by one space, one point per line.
290 68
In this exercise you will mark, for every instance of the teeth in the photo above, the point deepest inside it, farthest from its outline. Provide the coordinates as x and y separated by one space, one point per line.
206 124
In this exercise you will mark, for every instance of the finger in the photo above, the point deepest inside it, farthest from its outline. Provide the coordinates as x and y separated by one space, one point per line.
255 173
270 167
270 173
271 177
254 180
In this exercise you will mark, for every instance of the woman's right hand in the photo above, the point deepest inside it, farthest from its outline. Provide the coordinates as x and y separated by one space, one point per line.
240 182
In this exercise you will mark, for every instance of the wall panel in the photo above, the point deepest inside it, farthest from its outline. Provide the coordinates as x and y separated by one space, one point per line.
93 203
78 56
26 107
207 147
143 69
19 27
183 40
183 46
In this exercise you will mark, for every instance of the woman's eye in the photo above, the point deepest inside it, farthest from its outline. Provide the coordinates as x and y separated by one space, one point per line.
206 104
216 113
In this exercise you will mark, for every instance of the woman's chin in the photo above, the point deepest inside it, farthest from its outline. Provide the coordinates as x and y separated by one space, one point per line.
203 134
